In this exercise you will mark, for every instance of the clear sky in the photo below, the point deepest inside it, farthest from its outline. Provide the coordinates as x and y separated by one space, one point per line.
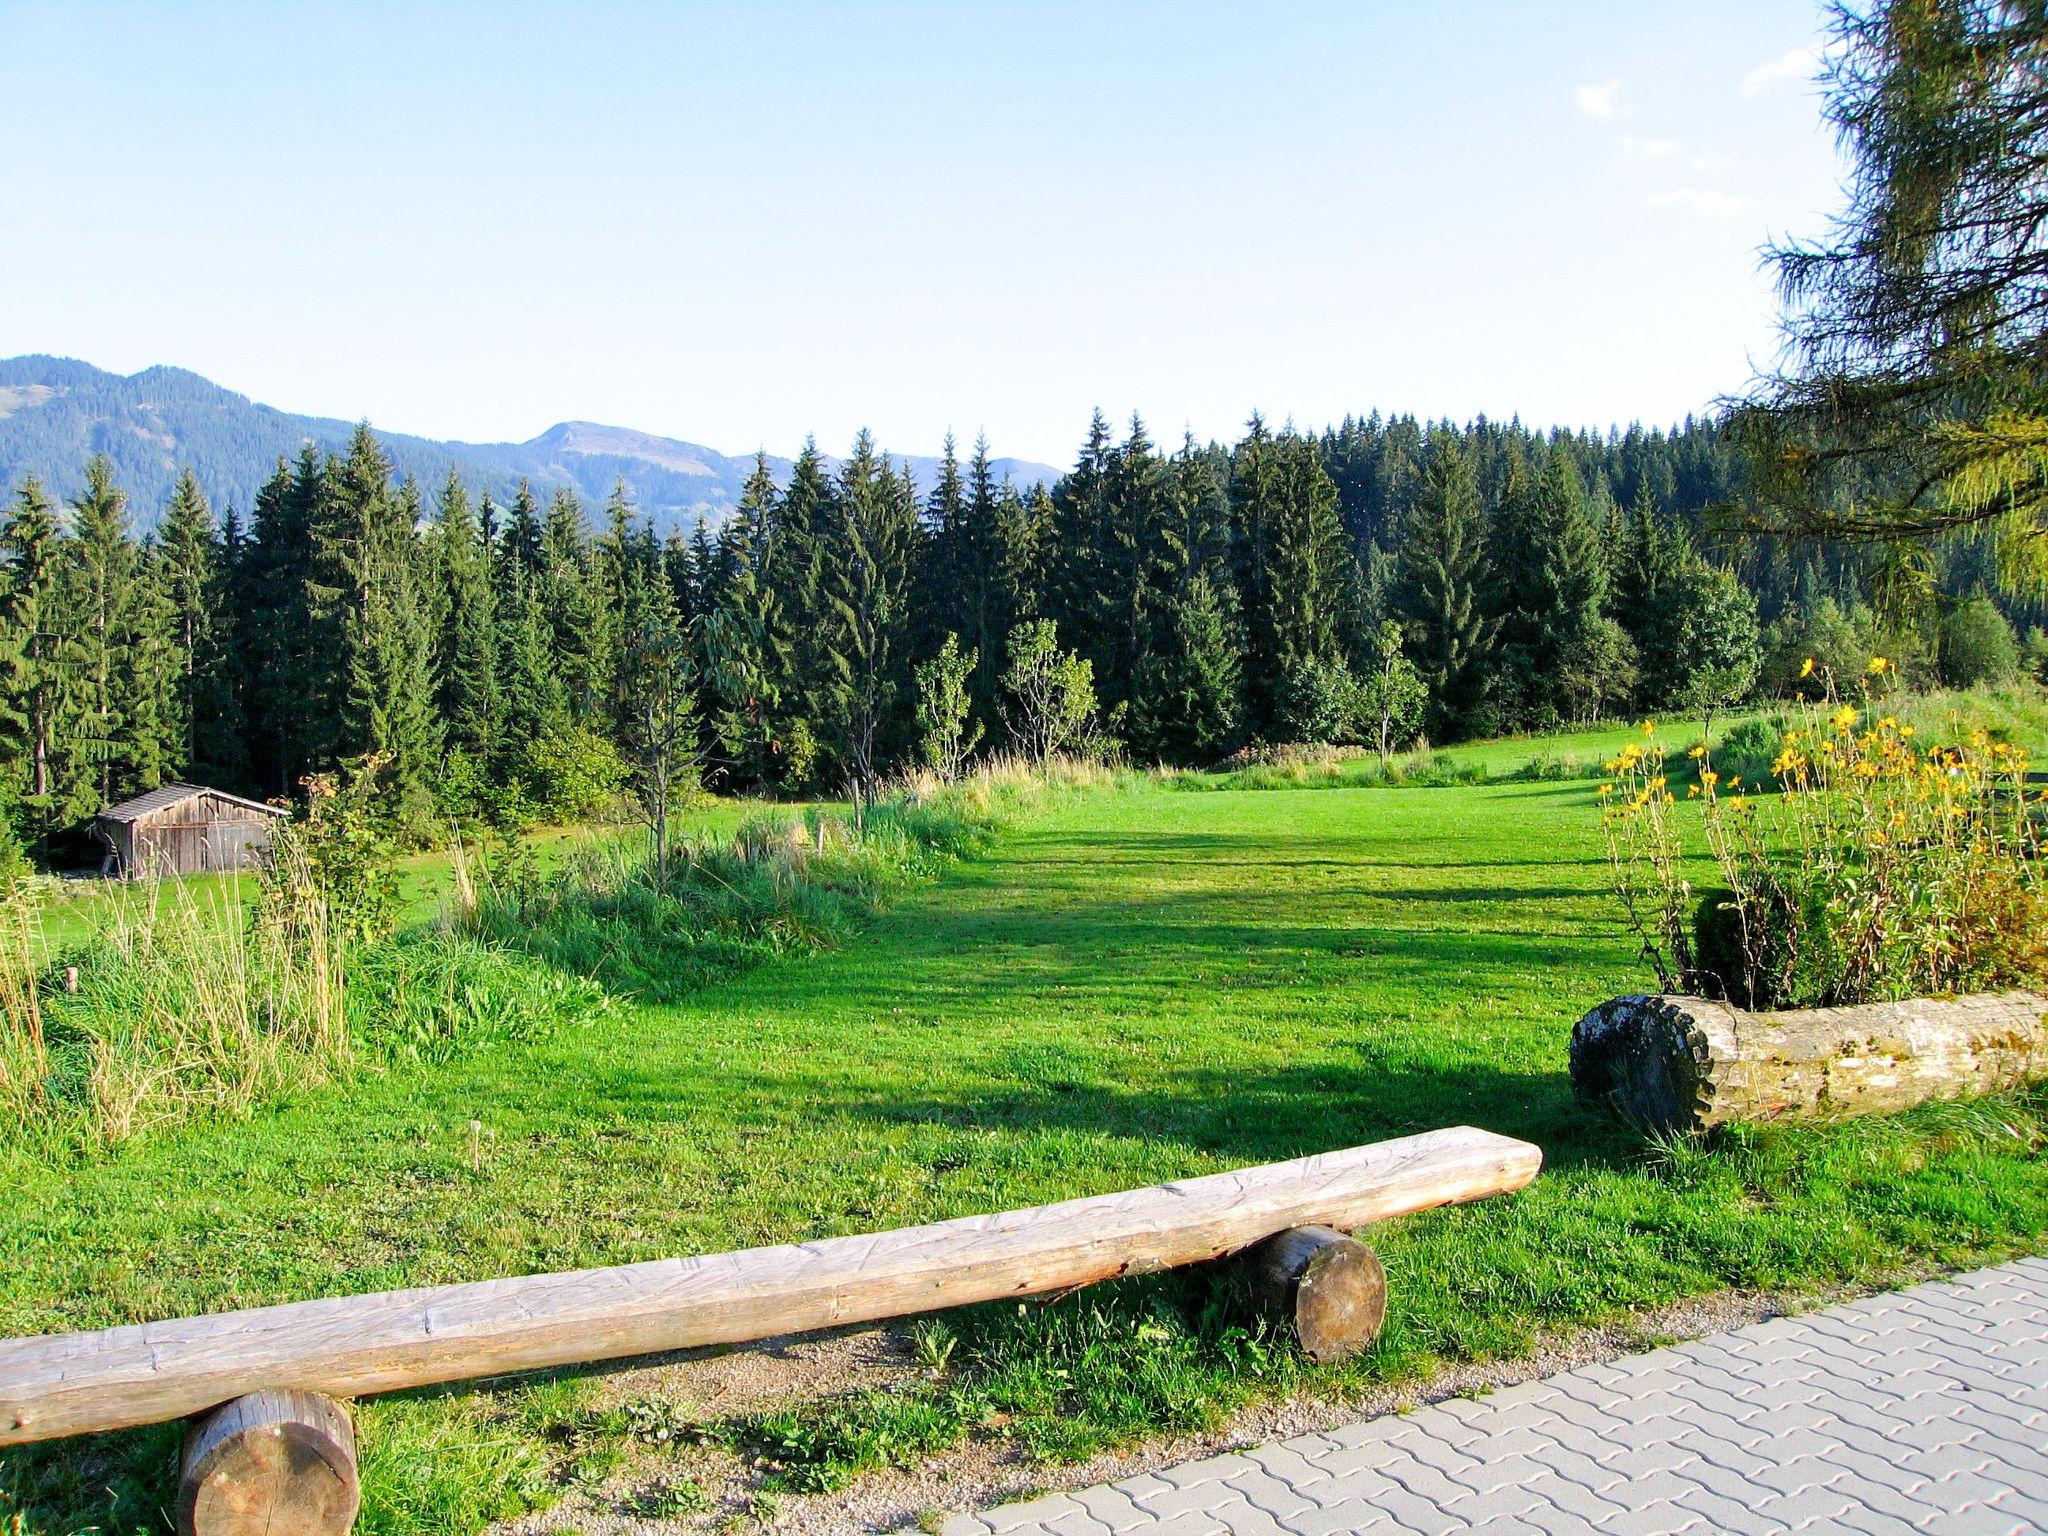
738 223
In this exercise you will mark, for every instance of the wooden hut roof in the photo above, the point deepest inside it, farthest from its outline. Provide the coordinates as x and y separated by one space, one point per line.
162 799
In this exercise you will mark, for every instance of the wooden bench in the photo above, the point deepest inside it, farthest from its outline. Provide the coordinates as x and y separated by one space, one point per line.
275 1449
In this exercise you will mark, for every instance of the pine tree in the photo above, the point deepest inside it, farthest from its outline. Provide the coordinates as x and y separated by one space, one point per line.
523 540
570 597
189 572
98 602
1439 573
802 672
741 615
1126 563
1078 593
535 701
292 625
372 543
32 682
1187 702
1294 564
867 581
466 652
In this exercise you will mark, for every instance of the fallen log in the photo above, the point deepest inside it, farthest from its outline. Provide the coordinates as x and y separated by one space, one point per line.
1678 1064
1331 1290
77 1383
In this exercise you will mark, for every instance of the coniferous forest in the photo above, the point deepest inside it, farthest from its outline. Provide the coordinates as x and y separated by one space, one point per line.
1383 581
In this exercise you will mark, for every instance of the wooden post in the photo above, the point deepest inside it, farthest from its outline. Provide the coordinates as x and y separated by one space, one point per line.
1331 1289
267 1463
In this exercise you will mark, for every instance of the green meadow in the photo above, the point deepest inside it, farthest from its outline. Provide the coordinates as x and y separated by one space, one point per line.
1134 983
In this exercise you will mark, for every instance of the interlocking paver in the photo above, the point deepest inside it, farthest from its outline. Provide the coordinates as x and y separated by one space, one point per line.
1916 1414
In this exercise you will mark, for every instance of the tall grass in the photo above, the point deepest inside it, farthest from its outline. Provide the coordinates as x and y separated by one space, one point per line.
24 1050
183 1007
788 879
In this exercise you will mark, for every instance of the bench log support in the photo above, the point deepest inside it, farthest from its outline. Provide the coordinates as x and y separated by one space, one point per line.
268 1463
1329 1289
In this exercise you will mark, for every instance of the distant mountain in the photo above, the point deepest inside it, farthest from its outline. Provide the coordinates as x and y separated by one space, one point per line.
56 412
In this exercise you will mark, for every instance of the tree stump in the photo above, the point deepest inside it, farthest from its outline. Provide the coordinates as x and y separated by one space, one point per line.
1683 1064
268 1463
1331 1289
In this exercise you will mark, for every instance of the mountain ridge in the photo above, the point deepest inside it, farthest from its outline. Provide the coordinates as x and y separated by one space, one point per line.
55 412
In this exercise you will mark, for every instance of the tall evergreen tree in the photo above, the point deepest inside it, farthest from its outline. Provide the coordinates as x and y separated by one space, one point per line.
372 544
1187 704
466 650
32 683
101 752
1439 577
741 614
190 572
873 547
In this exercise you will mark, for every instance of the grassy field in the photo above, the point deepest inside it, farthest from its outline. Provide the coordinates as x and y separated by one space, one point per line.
78 907
1134 986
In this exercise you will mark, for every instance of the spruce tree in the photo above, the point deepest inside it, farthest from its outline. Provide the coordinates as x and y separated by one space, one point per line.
802 671
1187 701
292 631
741 682
1439 575
872 550
189 572
99 599
569 596
466 650
32 683
388 715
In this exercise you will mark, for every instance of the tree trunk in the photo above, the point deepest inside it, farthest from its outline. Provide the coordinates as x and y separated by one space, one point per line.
1329 1288
268 1463
1687 1064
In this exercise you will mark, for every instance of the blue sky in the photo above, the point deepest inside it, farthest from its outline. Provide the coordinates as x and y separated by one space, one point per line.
738 223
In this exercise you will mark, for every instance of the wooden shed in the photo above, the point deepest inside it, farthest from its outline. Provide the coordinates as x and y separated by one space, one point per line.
183 829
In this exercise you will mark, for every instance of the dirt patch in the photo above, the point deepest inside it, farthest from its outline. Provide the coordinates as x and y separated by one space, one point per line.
980 1473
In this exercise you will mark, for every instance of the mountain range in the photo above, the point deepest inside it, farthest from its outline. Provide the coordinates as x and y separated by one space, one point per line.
56 412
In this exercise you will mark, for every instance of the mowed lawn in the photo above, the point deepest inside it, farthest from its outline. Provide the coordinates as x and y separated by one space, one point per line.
1136 986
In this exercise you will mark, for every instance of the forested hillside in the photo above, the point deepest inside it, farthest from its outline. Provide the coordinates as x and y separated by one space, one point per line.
56 412
514 657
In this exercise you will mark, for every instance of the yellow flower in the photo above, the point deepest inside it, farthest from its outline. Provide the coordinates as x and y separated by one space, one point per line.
1806 667
1697 752
1879 666
1649 727
1844 718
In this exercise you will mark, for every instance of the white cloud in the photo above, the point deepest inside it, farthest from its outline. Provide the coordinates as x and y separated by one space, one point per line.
1712 163
1602 103
1706 202
1633 148
1798 64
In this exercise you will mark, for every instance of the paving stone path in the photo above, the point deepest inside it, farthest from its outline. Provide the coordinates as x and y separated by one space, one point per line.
1921 1411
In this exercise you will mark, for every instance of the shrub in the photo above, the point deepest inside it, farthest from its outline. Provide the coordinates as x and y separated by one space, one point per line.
575 775
1747 752
1886 869
1051 693
1315 703
1977 645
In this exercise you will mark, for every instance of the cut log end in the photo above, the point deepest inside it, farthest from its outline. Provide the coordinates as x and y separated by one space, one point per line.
270 1462
1331 1289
